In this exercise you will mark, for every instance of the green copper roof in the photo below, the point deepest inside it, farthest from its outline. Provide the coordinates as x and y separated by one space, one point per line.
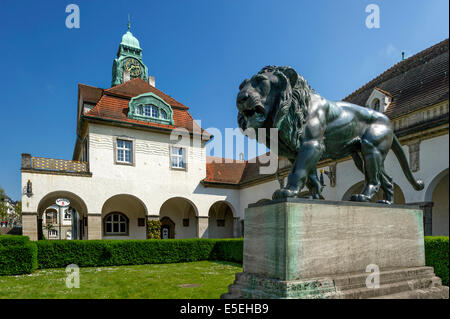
129 40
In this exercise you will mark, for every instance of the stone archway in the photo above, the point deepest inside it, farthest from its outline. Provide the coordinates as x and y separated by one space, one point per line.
399 197
124 217
76 225
220 220
182 214
167 228
437 193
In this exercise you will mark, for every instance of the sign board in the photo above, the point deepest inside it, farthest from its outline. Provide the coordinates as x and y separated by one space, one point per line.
62 202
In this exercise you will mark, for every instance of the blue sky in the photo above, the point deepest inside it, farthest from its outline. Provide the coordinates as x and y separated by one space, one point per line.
198 50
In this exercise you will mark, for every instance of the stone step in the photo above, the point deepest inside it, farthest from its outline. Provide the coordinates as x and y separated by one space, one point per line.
430 293
358 280
391 288
414 282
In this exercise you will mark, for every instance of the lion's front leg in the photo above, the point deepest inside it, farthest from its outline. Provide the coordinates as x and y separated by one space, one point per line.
314 186
306 160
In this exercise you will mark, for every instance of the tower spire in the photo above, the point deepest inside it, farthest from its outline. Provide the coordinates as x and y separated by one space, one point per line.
129 24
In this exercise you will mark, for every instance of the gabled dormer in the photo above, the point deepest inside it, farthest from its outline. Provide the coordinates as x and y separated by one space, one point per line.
151 108
379 100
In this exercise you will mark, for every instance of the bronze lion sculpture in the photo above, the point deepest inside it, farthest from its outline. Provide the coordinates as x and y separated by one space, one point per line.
312 128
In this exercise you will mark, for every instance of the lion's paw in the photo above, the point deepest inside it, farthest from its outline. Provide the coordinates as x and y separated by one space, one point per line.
360 198
284 193
384 201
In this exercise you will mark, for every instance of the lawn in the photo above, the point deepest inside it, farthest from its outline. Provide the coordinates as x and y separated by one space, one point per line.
194 280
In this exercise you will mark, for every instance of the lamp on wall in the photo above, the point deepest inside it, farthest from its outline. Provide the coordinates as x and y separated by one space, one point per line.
28 190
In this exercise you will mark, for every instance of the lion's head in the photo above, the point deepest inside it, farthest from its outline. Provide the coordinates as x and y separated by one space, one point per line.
275 97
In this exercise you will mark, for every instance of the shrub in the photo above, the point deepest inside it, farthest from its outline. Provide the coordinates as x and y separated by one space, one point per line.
436 256
154 229
228 250
84 253
18 259
13 240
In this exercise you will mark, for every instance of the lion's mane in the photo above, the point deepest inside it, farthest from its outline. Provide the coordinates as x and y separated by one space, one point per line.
291 111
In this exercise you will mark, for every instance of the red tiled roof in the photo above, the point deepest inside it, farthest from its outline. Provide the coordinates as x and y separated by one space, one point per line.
90 94
138 86
218 170
113 105
233 172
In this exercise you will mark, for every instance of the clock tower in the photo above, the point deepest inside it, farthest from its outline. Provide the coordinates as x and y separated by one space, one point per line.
128 64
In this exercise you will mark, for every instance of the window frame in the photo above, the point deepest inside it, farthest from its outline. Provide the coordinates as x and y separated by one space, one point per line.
51 231
185 155
376 104
116 149
52 220
151 100
85 151
112 233
68 211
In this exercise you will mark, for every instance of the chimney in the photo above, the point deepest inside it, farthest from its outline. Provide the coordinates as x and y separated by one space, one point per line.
26 160
151 81
126 76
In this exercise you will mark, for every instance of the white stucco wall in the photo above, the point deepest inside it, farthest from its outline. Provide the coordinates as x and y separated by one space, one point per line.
440 217
151 179
433 160
153 182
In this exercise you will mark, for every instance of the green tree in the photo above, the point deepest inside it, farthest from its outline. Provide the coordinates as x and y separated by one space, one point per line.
3 208
15 216
154 229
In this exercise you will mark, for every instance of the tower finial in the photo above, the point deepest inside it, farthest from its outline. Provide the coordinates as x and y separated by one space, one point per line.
129 24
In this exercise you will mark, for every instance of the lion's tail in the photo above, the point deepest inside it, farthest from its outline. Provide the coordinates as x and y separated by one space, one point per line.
398 151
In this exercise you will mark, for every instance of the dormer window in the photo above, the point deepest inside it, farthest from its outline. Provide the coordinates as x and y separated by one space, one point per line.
379 100
155 112
151 108
151 111
376 105
87 107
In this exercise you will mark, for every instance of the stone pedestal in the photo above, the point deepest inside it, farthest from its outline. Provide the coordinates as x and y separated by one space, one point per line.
320 249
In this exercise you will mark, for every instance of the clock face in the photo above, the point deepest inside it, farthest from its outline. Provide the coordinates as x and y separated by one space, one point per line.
133 66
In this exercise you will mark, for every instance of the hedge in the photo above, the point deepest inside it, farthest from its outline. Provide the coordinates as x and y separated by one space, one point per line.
436 256
94 253
17 255
13 240
228 250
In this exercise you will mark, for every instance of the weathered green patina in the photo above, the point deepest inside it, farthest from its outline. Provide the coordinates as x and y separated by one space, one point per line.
153 100
299 248
129 59
312 128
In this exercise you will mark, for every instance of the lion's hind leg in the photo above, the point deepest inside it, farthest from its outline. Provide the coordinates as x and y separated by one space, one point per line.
388 188
314 186
373 166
